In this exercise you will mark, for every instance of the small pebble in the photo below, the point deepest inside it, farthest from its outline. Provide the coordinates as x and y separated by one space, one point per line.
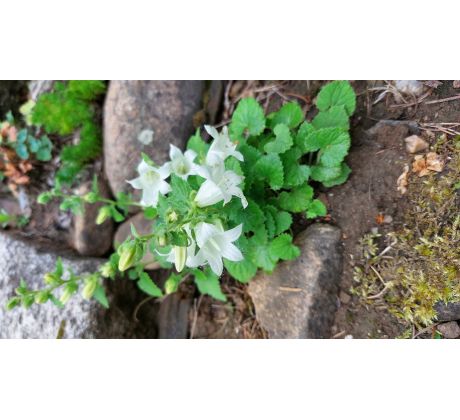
387 219
415 144
344 297
449 329
348 337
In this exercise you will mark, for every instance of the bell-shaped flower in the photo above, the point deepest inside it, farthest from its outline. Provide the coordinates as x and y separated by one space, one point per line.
152 182
220 185
215 244
181 164
180 255
221 148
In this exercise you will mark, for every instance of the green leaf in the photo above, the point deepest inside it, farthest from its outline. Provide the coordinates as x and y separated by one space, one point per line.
334 117
179 195
150 213
251 217
337 93
297 200
318 139
304 130
146 284
197 144
259 251
316 209
100 296
283 248
345 171
294 173
270 169
208 283
249 116
334 153
283 140
243 271
21 151
290 114
283 221
325 173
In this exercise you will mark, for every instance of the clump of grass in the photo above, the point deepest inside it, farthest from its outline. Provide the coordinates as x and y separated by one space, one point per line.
422 265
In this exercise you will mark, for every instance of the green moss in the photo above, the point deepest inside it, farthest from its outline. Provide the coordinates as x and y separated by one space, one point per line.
423 265
65 110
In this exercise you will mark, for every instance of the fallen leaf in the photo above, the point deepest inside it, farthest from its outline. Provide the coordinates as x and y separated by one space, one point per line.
402 181
434 162
424 165
432 83
379 219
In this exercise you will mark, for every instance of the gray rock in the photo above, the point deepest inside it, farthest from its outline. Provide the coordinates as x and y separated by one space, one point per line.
449 329
173 316
143 227
447 312
164 108
88 238
39 87
299 299
79 318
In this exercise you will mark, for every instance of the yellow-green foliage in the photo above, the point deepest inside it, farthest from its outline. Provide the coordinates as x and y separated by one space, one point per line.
68 108
423 265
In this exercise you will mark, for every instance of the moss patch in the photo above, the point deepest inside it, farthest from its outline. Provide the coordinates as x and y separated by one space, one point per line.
410 270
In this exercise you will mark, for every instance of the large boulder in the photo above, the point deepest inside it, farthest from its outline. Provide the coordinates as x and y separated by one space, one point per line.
299 299
79 318
146 116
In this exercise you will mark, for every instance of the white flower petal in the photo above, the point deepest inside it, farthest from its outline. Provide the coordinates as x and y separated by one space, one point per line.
211 131
232 253
204 231
190 155
164 187
215 262
144 167
149 197
208 194
164 171
174 152
233 234
136 183
196 260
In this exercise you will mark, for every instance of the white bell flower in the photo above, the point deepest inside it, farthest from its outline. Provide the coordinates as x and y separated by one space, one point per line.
182 164
215 244
221 148
152 182
180 255
220 185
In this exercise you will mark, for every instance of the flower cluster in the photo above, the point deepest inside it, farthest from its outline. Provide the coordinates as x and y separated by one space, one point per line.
207 243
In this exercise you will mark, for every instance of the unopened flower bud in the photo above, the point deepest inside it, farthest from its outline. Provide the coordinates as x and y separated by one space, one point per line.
162 240
42 297
90 287
69 290
90 198
172 217
180 253
103 215
127 253
50 278
107 270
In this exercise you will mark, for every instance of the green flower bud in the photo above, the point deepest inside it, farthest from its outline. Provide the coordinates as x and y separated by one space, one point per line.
127 253
162 240
27 301
91 197
180 253
44 198
172 284
69 290
50 278
172 217
41 297
103 215
12 303
107 270
90 287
